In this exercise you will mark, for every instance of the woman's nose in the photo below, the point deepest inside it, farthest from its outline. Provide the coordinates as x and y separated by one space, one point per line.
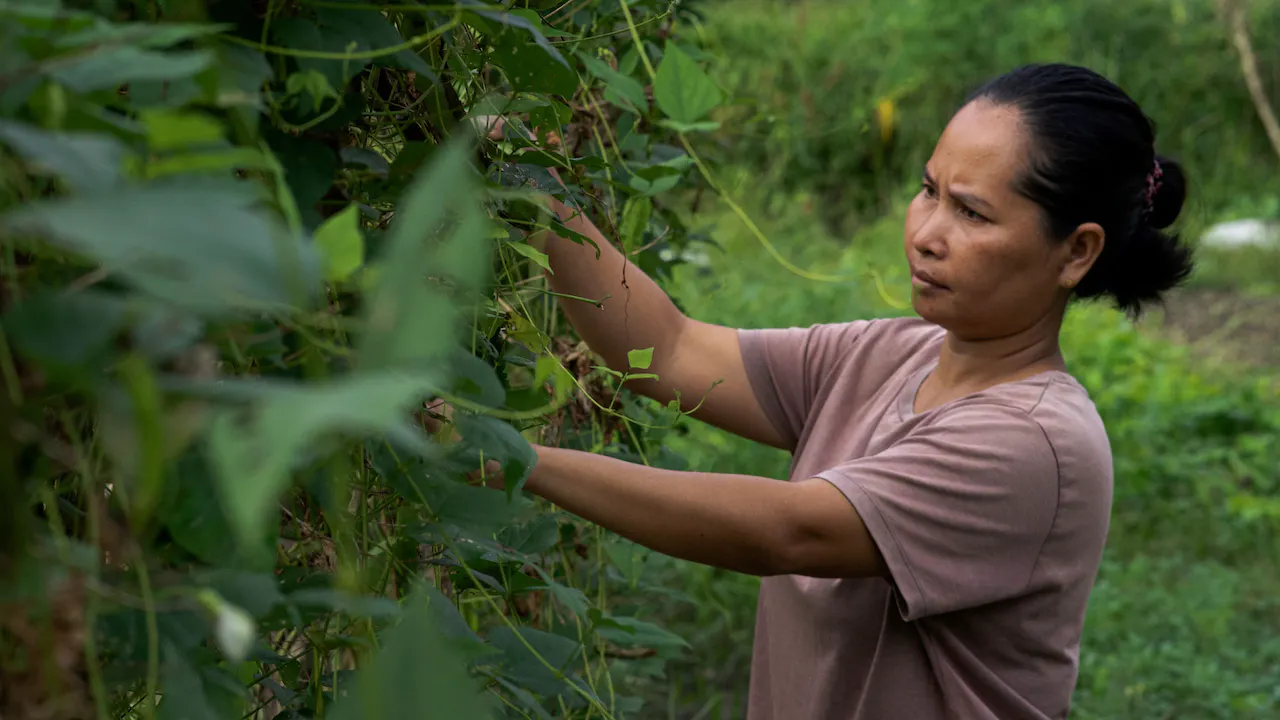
930 237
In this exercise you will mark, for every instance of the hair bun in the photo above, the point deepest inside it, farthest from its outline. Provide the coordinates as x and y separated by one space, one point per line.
1167 200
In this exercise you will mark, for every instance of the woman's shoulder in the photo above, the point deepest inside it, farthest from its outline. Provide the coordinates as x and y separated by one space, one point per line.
1060 408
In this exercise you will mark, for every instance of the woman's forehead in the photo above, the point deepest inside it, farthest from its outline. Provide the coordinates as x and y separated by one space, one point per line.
984 144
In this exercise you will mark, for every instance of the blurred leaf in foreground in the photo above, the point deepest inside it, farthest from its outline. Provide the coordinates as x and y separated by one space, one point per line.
203 245
409 319
416 675
255 456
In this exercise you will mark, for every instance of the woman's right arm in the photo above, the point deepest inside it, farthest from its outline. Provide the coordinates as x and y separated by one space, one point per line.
689 356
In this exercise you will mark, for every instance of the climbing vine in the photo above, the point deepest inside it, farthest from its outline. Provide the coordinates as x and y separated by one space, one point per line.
245 245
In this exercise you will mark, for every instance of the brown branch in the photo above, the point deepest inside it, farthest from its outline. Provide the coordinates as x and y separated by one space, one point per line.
1235 11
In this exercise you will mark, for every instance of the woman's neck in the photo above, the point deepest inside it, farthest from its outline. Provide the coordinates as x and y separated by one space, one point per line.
969 366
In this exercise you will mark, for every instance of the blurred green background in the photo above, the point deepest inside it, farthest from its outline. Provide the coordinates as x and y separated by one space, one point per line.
837 105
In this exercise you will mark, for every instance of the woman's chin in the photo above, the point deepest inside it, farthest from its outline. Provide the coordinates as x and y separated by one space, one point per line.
929 309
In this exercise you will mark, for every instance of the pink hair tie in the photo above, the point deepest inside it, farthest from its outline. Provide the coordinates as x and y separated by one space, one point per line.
1153 185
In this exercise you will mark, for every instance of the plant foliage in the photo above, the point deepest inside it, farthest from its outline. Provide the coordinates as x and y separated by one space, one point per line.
244 244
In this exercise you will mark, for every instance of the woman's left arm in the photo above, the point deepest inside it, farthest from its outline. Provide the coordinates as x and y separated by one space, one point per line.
748 524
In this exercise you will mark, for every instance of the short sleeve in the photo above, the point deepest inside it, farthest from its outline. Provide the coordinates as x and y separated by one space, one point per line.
960 508
786 367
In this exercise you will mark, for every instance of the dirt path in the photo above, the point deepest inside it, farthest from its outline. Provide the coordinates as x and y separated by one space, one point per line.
1226 325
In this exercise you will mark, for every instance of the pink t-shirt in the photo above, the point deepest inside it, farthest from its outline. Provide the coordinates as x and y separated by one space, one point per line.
991 512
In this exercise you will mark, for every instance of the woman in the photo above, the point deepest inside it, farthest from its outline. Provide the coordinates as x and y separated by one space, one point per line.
951 486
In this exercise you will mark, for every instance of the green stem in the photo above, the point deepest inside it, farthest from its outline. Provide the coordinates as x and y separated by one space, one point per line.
153 641
362 55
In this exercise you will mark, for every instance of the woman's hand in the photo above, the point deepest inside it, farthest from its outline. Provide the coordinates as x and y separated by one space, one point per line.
437 419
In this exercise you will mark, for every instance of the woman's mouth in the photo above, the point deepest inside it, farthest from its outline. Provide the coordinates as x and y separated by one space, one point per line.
921 280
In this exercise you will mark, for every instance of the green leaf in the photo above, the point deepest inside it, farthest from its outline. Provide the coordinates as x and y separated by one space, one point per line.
309 166
533 254
147 35
201 244
452 626
313 83
475 380
640 359
550 117
196 519
241 73
85 161
523 20
257 593
341 244
499 441
683 91
303 34
619 86
109 69
335 600
415 675
628 557
629 631
635 220
573 599
169 129
371 30
701 126
232 158
66 330
533 537
524 669
539 69
182 688
255 455
408 320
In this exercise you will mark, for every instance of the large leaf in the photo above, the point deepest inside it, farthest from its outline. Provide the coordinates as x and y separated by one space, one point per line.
683 91
202 244
414 676
621 89
369 27
630 632
254 456
147 35
197 519
109 69
545 676
86 161
182 688
407 320
538 69
66 330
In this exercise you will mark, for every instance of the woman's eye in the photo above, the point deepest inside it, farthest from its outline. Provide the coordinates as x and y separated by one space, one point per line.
971 215
929 192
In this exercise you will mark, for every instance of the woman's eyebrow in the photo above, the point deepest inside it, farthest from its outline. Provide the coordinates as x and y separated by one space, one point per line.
967 198
972 200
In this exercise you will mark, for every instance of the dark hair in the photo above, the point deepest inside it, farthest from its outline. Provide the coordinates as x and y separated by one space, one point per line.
1093 159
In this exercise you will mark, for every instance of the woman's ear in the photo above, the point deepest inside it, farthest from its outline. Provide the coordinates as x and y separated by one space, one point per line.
1082 249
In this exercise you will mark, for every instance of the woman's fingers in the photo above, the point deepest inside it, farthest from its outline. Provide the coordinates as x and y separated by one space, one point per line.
490 476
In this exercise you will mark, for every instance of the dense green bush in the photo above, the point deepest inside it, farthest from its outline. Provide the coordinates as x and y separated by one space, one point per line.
243 243
847 98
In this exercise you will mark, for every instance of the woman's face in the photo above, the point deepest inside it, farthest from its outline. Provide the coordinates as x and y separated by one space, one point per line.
981 264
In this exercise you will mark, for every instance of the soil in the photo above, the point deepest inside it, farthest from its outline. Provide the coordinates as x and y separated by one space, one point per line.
1225 325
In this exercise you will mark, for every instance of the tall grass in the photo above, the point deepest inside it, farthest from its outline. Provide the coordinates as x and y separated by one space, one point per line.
847 98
